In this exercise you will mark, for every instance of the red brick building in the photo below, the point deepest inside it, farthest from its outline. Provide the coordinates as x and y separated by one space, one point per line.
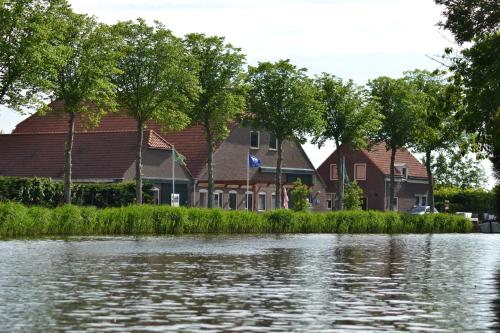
107 154
371 170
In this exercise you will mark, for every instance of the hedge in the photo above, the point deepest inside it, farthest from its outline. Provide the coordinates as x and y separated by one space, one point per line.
470 200
49 193
17 220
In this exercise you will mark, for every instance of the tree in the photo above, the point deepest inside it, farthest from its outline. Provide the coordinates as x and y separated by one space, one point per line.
83 79
154 83
400 106
283 101
27 50
300 193
222 100
455 170
476 67
437 127
348 119
353 196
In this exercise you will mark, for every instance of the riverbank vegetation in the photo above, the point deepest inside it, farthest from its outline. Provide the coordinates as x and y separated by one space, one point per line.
17 220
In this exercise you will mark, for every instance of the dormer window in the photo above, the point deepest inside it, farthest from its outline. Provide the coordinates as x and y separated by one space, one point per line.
403 169
254 139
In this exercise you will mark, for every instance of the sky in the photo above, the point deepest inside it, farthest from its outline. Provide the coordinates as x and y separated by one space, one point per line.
353 39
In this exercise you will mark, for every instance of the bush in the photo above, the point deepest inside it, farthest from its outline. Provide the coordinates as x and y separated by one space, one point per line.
49 193
300 195
17 220
477 201
352 196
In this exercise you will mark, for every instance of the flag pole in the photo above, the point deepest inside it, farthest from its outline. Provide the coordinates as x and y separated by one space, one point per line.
247 161
173 172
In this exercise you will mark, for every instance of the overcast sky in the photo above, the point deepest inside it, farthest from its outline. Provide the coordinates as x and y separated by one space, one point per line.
357 39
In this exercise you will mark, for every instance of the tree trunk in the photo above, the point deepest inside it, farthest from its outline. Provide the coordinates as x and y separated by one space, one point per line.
68 162
430 179
340 180
210 170
391 184
277 199
138 163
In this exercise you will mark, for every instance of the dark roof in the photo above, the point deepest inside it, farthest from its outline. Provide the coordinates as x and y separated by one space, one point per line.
95 155
190 142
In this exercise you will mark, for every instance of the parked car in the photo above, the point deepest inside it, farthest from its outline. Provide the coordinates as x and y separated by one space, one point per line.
420 210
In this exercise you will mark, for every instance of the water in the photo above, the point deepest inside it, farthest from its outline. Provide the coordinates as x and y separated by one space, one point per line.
292 283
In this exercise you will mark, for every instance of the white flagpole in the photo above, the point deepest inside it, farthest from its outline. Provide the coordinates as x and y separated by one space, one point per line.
173 171
247 161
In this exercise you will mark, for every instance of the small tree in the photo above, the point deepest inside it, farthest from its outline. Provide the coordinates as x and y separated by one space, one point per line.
348 119
353 195
400 106
83 79
283 102
155 82
27 49
220 73
300 194
457 171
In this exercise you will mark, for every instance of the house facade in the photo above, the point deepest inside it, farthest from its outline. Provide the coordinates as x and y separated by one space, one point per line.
106 153
371 170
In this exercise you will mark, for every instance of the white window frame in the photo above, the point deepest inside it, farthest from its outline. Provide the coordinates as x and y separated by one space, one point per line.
156 195
329 201
273 200
220 199
250 207
205 202
355 173
275 142
401 167
258 139
419 198
229 200
333 166
259 195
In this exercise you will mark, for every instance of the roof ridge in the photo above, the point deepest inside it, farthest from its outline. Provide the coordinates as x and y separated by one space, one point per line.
76 132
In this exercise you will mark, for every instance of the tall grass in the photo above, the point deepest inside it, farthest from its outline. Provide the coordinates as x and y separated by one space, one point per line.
17 220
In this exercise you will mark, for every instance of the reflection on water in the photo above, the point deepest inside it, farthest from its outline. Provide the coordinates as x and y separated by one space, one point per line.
252 284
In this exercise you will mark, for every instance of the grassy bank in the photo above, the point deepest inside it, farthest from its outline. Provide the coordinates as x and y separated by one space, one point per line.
20 221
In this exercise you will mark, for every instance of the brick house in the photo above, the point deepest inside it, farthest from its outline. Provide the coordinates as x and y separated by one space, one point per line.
106 153
371 170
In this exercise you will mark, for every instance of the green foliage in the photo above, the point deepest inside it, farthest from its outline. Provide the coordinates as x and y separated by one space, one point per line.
353 196
27 49
49 193
17 220
300 193
283 102
219 68
466 200
454 170
155 81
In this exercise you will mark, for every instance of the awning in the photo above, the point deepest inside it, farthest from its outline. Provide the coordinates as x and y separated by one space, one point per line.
297 171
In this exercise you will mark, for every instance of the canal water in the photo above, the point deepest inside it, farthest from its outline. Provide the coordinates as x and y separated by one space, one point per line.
289 283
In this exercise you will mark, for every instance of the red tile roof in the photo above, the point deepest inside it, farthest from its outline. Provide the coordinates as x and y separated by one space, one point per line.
382 157
190 142
95 154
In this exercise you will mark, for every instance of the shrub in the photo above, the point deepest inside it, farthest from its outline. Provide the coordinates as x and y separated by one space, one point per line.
300 195
352 196
17 220
470 200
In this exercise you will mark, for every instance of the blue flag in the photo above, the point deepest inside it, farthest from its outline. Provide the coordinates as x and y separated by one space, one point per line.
253 161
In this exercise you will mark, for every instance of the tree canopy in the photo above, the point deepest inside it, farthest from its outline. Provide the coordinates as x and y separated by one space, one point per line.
155 81
283 101
219 67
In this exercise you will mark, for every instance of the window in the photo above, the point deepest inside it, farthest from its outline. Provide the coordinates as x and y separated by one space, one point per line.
360 171
273 142
273 200
254 139
333 172
203 198
217 203
249 201
156 195
395 203
329 202
420 200
261 204
403 169
232 200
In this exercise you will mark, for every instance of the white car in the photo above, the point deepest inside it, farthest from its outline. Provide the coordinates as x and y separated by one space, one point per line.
420 210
